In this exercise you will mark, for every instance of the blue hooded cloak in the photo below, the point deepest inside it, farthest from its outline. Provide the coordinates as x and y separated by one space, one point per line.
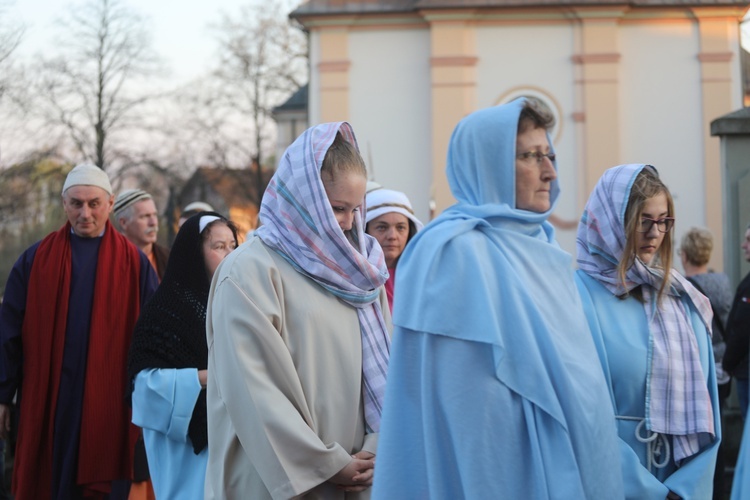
494 389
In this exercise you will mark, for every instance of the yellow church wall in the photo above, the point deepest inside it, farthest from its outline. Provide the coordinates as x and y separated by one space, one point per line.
333 68
721 94
600 66
453 82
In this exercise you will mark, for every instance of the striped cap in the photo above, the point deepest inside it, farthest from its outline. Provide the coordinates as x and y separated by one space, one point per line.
128 197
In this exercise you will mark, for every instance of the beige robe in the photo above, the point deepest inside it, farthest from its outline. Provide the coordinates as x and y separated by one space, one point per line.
285 404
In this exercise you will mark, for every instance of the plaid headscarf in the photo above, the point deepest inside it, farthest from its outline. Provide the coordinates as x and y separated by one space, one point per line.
299 224
677 399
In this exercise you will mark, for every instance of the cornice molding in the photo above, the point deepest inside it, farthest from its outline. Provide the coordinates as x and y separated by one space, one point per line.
443 61
602 58
713 57
334 66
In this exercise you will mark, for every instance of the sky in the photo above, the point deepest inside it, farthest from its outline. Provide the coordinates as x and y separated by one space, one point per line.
180 28
181 33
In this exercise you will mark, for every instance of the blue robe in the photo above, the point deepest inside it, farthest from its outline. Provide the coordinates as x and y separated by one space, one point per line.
163 403
494 389
741 484
84 252
621 336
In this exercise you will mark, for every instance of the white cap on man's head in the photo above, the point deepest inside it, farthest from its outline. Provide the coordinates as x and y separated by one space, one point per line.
87 174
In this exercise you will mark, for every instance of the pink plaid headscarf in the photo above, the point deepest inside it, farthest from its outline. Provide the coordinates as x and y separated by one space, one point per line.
678 402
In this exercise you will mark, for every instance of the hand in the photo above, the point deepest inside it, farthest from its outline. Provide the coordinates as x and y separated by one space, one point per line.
358 473
4 421
203 377
364 455
368 474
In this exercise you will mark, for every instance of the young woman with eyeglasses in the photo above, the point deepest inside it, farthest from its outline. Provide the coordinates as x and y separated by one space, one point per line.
652 332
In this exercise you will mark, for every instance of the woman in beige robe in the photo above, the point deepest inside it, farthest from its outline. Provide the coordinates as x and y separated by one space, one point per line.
291 410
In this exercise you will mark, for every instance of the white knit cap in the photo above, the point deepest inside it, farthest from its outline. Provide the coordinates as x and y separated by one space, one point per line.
86 174
382 201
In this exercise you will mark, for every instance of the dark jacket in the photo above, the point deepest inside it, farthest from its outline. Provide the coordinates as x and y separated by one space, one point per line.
738 331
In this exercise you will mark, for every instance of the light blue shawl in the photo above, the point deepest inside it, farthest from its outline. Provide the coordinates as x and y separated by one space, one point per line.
521 250
487 273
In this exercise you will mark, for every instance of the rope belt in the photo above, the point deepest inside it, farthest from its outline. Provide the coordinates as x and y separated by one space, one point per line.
657 445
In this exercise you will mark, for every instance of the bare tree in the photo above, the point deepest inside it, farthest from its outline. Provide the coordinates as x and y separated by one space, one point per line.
212 131
10 37
94 86
262 60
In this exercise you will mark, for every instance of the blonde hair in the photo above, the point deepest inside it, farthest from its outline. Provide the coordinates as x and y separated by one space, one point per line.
647 185
342 157
697 245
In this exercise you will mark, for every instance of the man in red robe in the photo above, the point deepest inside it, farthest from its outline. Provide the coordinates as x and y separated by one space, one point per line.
70 305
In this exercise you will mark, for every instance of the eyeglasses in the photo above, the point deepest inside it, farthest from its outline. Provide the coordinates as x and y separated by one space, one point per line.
538 155
662 225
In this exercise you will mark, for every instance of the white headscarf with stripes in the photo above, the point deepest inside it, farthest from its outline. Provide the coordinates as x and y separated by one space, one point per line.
299 224
677 400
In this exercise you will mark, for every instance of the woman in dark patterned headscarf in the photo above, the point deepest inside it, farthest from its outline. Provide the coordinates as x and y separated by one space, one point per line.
168 359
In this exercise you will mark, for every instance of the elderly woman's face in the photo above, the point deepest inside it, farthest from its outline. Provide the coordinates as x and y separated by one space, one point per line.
533 176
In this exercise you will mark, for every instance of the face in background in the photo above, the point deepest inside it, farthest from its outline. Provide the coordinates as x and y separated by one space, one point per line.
142 227
217 244
345 192
647 244
392 232
746 245
533 178
87 209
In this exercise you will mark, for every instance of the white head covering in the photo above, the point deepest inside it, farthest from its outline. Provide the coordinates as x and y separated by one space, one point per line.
198 206
205 221
381 201
87 174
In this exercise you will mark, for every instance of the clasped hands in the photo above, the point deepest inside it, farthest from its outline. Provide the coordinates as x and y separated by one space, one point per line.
358 473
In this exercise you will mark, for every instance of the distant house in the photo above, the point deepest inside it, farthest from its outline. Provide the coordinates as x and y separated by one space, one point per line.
291 120
30 207
629 81
234 193
31 198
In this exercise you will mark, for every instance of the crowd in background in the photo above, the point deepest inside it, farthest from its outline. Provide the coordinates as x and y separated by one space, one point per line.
468 358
